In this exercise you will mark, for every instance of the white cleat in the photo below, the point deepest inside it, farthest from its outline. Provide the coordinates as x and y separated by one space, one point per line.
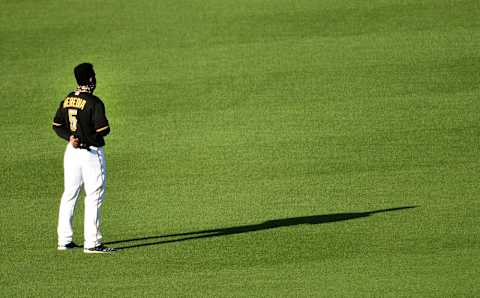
101 249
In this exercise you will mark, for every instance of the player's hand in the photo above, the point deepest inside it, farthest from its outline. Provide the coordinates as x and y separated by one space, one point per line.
74 141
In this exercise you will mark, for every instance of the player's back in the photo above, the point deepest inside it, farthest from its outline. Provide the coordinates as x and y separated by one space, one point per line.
85 116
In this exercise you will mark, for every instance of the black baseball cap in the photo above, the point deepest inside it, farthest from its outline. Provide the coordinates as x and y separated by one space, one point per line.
83 73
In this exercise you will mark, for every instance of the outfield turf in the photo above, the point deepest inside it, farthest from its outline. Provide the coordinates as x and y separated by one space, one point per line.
275 148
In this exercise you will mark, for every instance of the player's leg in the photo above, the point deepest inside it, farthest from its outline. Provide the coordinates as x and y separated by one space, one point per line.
72 184
94 175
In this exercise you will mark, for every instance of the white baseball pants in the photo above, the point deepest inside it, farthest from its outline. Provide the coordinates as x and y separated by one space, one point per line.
88 168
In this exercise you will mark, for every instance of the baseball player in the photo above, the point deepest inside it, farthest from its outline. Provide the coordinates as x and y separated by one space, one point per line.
81 120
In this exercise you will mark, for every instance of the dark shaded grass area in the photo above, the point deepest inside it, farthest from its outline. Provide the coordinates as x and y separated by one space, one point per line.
271 224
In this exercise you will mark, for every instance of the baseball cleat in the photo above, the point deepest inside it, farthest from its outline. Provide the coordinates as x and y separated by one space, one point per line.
101 249
68 246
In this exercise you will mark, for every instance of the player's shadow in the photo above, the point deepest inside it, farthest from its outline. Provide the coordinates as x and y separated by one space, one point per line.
271 224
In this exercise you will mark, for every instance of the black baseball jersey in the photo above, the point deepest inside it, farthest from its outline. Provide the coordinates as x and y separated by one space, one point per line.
82 114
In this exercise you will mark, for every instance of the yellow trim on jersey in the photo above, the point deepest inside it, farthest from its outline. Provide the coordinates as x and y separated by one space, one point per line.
57 124
102 129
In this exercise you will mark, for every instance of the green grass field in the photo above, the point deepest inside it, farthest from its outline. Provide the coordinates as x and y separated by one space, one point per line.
259 148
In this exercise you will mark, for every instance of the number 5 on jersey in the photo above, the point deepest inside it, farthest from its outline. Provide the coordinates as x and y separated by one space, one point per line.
72 118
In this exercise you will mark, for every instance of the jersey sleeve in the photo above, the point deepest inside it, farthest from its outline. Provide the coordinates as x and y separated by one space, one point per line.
100 119
59 124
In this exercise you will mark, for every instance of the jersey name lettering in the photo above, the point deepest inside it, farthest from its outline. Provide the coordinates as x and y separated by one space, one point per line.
74 102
